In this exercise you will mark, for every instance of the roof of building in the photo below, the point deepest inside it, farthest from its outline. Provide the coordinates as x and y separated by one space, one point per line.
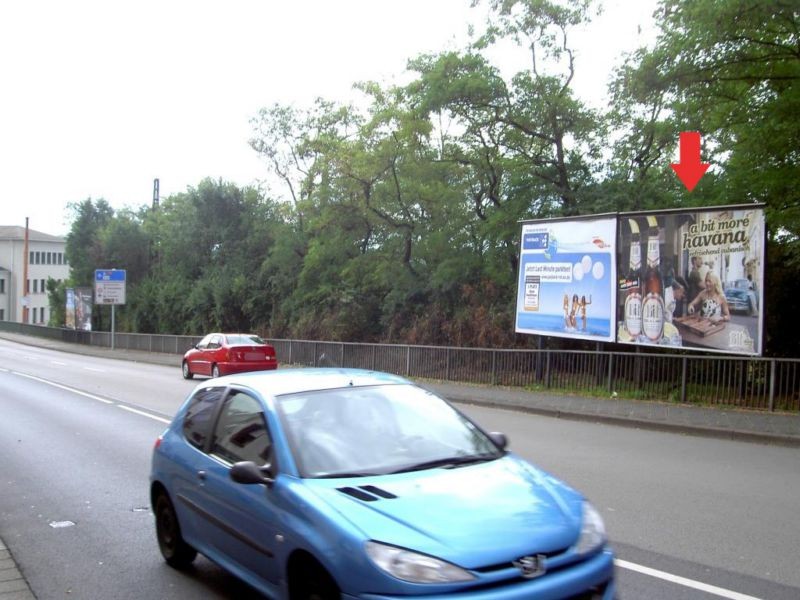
15 232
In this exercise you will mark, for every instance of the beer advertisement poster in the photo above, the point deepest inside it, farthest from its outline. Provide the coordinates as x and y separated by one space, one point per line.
692 279
566 285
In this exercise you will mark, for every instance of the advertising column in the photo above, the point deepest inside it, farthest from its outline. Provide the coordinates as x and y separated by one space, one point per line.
566 284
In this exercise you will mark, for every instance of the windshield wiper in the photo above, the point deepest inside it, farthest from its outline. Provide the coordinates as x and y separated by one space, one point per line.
448 463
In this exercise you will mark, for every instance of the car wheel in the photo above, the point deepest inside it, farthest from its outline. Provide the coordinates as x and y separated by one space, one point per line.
187 372
312 582
214 371
174 549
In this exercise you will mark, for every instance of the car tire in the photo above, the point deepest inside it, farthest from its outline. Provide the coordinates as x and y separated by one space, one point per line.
314 583
214 371
187 372
176 552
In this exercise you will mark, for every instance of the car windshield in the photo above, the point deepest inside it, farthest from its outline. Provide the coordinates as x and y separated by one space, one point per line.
245 340
361 431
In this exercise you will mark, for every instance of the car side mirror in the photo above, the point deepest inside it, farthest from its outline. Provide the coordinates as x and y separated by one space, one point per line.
500 439
247 472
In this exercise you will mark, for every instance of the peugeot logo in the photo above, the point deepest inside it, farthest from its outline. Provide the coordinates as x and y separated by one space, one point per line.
530 566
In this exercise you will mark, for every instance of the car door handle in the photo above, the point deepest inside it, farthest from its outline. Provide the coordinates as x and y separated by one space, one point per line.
201 475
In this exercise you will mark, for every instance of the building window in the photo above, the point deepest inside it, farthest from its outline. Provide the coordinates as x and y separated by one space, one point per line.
27 287
35 286
43 286
30 258
2 314
60 258
2 286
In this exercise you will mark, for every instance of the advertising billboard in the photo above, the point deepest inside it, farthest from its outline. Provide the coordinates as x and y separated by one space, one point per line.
70 309
83 309
692 279
566 283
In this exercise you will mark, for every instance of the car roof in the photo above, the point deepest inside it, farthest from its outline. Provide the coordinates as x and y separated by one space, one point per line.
290 381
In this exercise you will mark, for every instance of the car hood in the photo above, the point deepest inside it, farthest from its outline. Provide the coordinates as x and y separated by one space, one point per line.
473 515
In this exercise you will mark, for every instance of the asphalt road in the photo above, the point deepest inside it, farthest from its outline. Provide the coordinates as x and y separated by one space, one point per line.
690 517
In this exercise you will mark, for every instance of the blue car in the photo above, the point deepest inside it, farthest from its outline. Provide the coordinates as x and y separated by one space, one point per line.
342 483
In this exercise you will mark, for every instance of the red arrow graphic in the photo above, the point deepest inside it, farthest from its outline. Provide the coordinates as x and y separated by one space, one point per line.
690 169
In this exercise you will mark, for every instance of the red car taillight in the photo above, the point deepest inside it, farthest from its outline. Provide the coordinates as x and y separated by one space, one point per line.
158 442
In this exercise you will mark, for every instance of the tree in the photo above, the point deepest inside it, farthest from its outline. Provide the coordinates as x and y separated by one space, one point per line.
83 248
730 70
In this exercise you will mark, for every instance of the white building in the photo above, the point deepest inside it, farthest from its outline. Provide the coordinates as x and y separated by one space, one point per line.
46 260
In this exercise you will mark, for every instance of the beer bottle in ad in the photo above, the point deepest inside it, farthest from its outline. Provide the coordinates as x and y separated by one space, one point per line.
653 304
633 298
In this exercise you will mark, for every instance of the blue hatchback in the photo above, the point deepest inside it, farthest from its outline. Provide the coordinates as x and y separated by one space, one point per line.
341 483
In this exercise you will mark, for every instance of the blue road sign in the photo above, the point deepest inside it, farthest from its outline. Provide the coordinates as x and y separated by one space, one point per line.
109 275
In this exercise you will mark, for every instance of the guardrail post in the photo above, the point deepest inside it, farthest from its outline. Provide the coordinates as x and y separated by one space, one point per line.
315 354
547 371
610 372
408 361
373 356
494 367
684 367
341 355
447 365
772 368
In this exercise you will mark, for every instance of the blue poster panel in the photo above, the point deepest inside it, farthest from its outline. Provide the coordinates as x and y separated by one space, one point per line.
566 284
692 279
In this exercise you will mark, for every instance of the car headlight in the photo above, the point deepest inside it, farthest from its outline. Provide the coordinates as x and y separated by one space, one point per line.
593 531
413 567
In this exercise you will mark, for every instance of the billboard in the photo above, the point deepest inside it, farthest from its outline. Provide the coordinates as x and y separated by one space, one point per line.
70 309
566 282
692 279
83 309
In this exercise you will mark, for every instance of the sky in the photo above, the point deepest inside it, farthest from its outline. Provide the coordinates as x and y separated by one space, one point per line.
99 97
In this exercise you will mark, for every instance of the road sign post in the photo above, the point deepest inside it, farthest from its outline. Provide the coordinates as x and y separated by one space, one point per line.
109 288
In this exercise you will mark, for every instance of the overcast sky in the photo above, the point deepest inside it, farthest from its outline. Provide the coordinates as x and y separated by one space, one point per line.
99 97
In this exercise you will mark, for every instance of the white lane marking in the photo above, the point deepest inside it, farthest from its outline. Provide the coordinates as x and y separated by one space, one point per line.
64 387
60 364
103 400
144 414
93 369
703 587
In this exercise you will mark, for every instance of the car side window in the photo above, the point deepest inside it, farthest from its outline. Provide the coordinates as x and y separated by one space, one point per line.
216 342
241 432
199 415
204 343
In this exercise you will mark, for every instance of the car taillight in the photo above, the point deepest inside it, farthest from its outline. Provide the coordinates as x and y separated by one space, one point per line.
158 442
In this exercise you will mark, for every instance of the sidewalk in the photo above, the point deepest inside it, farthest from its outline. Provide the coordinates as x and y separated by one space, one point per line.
12 584
744 425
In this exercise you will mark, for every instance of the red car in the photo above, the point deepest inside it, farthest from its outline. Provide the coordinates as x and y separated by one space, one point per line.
225 353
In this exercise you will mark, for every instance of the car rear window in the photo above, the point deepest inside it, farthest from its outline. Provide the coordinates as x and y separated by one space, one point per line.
245 340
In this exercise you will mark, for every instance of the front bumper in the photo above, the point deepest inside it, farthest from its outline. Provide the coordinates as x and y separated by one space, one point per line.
592 579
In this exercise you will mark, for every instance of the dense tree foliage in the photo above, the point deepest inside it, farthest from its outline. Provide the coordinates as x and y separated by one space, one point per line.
397 219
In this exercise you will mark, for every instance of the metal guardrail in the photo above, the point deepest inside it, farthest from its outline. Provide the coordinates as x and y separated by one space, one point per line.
743 382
